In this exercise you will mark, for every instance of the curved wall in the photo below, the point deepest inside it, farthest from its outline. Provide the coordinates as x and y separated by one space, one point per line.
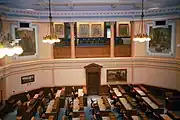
68 72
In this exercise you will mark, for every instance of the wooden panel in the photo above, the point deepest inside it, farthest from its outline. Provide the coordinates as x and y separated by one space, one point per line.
92 51
123 51
62 52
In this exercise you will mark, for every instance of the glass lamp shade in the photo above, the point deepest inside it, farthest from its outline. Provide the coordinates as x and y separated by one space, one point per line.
18 50
142 38
2 52
51 39
10 51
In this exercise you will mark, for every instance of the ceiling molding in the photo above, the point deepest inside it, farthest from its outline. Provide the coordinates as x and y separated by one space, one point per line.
170 12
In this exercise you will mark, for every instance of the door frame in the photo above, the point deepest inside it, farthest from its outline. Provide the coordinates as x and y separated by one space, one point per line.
93 68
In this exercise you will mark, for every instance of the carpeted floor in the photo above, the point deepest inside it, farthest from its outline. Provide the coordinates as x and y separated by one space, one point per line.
87 111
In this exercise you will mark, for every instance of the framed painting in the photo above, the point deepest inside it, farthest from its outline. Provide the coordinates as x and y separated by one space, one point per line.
28 41
117 75
84 30
123 30
59 30
96 30
162 39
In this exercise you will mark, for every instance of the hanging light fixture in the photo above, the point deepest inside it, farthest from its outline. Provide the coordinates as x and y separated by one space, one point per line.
51 38
8 46
142 35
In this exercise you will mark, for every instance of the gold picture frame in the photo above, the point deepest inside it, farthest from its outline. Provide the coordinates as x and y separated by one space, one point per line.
27 42
96 30
117 75
59 30
84 30
123 30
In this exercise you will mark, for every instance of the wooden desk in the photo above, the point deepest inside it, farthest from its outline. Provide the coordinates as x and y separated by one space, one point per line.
144 89
165 117
117 92
174 115
130 100
58 94
50 107
112 116
158 102
150 103
125 103
122 90
76 106
80 93
101 105
134 117
106 102
51 117
31 109
53 108
139 91
18 117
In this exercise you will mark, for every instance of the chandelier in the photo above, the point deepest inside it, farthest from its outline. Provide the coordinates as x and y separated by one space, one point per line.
141 35
52 38
8 46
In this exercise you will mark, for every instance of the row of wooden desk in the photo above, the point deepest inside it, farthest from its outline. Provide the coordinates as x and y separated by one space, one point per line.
129 105
154 104
53 107
31 107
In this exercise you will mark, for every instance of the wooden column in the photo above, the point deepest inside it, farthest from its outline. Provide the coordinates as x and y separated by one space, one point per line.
132 36
112 40
72 40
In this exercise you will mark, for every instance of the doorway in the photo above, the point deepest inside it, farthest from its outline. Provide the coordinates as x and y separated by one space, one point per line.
93 78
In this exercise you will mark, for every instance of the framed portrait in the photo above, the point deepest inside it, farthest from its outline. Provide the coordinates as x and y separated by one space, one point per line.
162 39
28 41
117 75
96 30
84 30
59 30
123 30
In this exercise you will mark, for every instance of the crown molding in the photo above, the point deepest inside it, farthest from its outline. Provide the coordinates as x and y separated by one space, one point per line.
71 16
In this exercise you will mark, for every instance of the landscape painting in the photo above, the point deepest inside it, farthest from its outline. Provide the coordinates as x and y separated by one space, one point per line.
117 75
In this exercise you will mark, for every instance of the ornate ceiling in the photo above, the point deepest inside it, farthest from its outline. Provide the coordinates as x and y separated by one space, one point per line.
78 9
69 5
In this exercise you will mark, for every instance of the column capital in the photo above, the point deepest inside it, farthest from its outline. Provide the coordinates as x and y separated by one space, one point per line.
112 23
72 23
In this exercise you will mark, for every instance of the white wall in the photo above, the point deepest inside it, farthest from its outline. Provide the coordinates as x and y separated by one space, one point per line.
48 73
65 77
43 78
155 77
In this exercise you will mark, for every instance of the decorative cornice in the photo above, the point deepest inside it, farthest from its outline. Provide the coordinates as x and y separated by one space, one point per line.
159 63
86 15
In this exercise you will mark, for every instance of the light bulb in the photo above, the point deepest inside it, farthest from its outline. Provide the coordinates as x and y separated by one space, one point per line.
10 52
18 50
2 52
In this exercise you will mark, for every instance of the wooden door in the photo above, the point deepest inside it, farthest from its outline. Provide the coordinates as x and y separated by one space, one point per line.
93 78
93 83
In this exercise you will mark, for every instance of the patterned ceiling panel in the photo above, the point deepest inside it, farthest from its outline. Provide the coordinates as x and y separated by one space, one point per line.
94 5
69 10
